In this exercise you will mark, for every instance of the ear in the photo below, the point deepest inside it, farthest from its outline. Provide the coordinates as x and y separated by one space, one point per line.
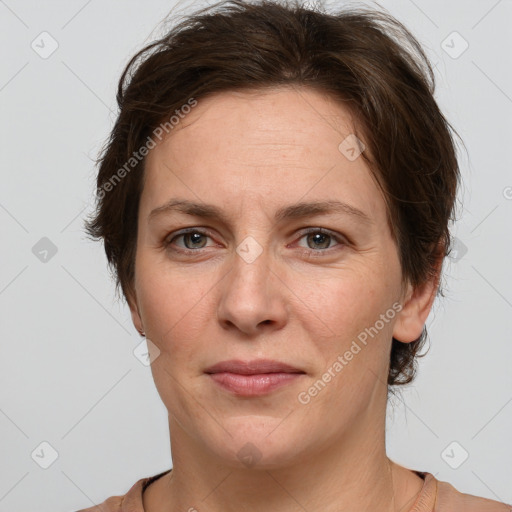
416 308
134 310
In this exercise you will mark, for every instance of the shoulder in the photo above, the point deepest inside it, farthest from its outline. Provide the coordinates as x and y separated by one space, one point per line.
112 504
129 502
439 496
450 499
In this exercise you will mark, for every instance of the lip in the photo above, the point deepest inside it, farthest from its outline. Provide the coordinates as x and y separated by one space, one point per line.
254 367
253 378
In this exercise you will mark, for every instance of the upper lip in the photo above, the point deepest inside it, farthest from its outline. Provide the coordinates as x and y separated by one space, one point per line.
257 366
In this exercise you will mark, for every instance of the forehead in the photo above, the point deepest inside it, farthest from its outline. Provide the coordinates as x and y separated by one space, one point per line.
274 145
275 117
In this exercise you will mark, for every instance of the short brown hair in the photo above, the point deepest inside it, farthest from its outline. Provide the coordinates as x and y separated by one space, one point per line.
364 58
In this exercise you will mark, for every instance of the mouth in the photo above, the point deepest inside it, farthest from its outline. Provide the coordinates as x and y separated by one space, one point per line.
253 378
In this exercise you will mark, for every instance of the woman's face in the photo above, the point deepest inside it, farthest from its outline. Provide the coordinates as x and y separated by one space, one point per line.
261 281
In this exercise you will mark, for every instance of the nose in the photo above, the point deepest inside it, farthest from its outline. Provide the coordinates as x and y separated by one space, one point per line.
253 297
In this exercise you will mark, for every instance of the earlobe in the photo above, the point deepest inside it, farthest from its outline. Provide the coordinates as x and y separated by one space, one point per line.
134 310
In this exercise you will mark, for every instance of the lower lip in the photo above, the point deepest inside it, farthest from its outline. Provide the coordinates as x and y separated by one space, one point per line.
253 385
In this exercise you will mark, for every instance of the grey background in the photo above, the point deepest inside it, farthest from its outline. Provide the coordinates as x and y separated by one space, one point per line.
68 375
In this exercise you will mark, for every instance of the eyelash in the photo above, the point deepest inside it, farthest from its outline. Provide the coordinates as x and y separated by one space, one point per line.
306 252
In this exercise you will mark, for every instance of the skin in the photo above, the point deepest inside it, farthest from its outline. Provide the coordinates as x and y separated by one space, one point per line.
302 301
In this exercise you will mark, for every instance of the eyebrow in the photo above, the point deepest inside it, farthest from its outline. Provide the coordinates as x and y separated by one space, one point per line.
294 211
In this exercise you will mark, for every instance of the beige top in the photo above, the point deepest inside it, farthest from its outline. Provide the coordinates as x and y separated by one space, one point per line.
435 496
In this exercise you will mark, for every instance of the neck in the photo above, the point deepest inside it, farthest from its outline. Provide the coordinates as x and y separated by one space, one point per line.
351 474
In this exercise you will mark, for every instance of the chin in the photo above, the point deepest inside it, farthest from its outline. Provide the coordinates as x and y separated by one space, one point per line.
256 443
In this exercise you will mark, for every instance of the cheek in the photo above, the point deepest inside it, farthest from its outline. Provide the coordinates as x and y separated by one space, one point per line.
173 308
354 358
344 302
347 311
175 312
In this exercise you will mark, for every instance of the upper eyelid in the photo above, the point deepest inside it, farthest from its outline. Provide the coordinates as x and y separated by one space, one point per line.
301 232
